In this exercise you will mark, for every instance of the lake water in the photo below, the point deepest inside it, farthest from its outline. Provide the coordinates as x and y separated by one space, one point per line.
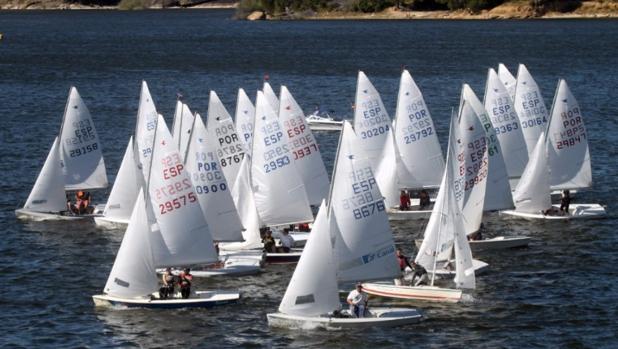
559 292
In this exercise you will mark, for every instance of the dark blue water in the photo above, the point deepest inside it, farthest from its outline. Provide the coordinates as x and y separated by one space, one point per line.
559 292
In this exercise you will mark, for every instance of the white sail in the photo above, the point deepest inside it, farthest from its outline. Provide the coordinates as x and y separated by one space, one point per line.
229 148
364 248
438 237
245 116
80 147
271 96
568 154
47 194
386 172
185 235
532 194
498 188
145 129
133 274
278 189
211 187
464 270
313 289
446 230
507 79
243 199
420 161
472 164
371 121
530 107
181 128
304 148
126 187
506 125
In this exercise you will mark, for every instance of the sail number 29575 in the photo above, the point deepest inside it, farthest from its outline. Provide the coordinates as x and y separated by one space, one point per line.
177 203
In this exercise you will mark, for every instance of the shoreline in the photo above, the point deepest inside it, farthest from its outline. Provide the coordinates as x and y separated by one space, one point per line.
515 11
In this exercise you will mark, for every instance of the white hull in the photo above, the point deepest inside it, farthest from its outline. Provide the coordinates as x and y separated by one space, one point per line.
424 293
325 126
111 223
300 238
395 214
25 214
576 211
492 244
284 257
228 267
379 317
199 299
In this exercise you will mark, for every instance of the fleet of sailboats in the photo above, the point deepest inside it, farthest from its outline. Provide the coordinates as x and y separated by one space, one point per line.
201 194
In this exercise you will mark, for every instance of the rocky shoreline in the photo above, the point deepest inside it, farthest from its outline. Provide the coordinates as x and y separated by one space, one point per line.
62 5
517 10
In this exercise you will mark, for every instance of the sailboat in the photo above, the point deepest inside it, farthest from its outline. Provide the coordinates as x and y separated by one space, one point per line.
561 160
121 200
167 228
417 160
214 195
74 162
350 241
497 191
447 226
135 165
278 189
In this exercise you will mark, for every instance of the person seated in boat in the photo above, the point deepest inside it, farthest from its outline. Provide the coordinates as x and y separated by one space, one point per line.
477 235
565 201
357 299
424 201
82 203
552 211
404 262
404 201
287 241
269 242
304 227
419 272
167 290
184 281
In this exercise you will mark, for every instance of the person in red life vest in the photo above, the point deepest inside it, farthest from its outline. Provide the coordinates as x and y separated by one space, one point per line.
304 227
184 281
403 263
404 201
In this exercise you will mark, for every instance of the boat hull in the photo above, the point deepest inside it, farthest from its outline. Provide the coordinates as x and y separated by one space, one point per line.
28 215
111 223
423 293
576 211
200 299
380 317
398 215
492 244
284 257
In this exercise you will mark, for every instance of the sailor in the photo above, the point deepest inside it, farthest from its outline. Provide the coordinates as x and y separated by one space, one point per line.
404 262
424 200
357 299
167 290
185 279
287 241
404 201
565 201
419 272
269 241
